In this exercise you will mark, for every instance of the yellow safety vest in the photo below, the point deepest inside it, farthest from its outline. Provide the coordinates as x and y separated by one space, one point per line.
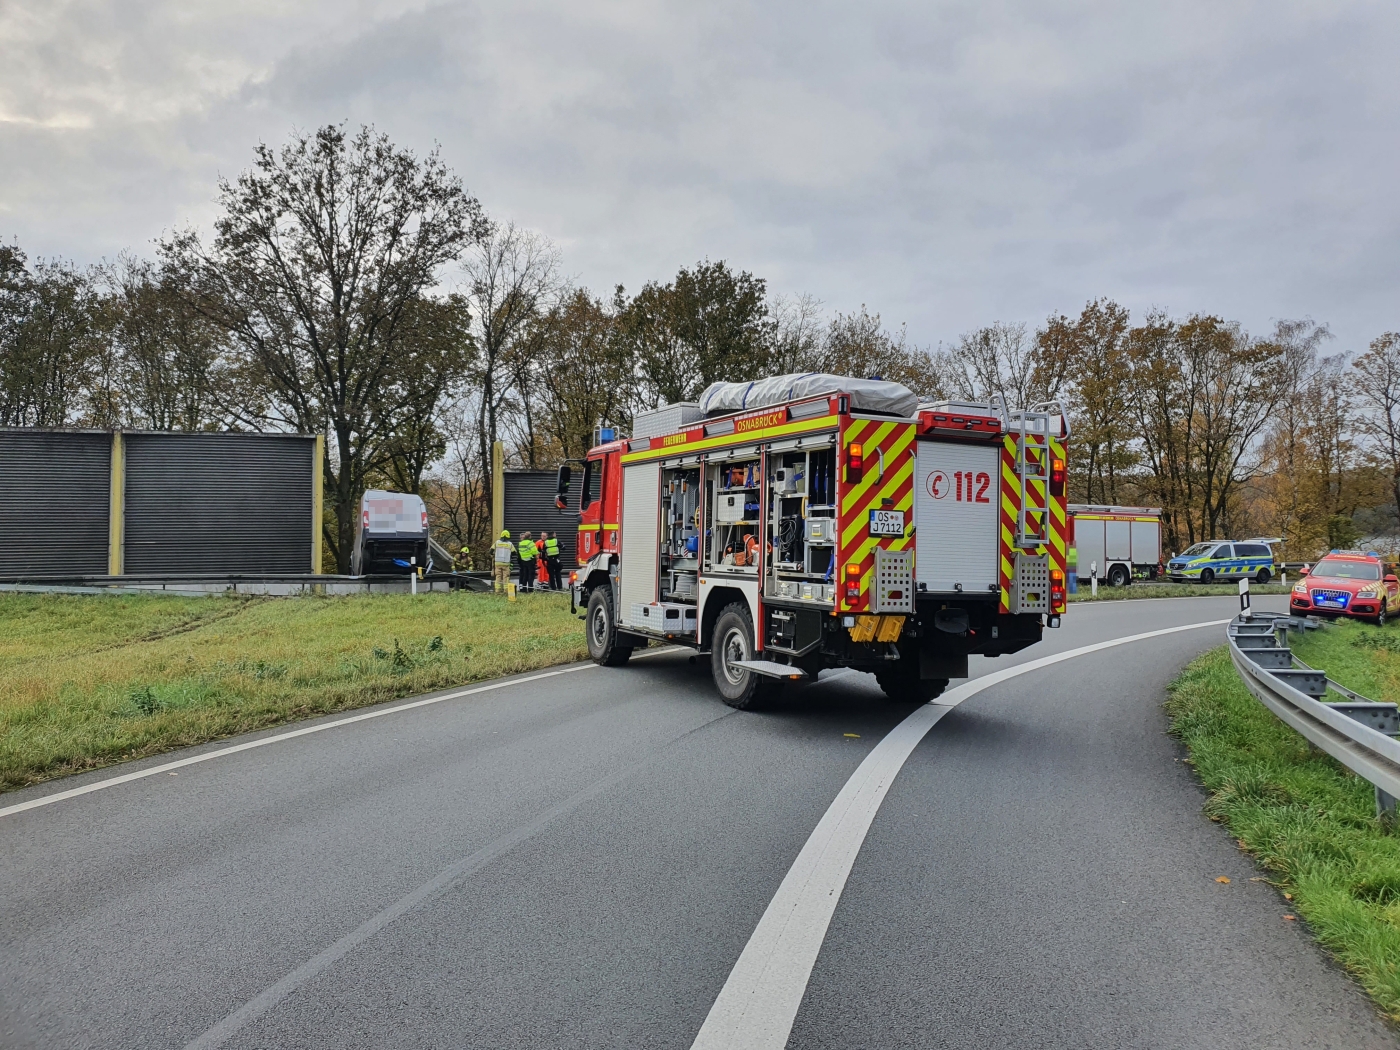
551 546
528 550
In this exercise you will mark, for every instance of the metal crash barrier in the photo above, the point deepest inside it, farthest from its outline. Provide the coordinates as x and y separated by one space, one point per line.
1357 732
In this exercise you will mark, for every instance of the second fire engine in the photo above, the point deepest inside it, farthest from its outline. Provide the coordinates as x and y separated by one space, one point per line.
805 522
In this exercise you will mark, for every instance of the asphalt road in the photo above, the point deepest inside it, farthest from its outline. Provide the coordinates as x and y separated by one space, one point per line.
578 861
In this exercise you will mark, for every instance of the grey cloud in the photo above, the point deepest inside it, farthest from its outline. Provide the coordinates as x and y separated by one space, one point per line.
947 164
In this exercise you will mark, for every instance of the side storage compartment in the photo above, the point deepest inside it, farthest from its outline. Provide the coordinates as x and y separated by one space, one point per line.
641 513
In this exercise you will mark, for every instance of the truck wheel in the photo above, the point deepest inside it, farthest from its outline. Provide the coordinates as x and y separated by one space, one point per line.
733 640
1263 576
1118 576
906 688
1207 575
601 629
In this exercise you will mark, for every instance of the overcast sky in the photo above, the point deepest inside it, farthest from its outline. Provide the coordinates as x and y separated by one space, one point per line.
948 164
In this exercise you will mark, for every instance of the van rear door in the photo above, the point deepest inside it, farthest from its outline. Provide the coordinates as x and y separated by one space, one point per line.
957 497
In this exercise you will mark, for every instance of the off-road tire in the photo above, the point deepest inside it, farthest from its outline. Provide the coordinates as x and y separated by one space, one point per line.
600 627
1119 576
1263 577
1380 616
733 640
1207 576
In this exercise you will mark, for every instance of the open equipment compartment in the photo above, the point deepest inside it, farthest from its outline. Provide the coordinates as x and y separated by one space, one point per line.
733 514
801 522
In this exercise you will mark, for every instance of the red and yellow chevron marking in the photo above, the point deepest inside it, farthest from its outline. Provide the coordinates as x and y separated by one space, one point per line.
894 443
1055 543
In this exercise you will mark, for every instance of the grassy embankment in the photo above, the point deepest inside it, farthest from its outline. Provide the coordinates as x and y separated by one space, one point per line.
1306 819
91 680
1170 590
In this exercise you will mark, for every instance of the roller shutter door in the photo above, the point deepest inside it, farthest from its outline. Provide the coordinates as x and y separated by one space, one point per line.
54 502
529 506
218 503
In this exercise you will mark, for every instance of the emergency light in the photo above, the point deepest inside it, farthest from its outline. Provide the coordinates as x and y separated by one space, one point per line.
855 462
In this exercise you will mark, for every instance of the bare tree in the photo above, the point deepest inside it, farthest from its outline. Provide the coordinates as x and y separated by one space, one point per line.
1379 393
999 360
512 274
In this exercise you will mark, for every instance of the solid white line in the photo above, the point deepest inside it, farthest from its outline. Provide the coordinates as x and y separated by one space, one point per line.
209 756
759 1002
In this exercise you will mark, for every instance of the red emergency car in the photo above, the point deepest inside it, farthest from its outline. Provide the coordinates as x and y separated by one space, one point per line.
1348 583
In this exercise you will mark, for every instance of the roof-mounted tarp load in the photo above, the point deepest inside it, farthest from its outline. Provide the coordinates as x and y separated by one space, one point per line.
867 395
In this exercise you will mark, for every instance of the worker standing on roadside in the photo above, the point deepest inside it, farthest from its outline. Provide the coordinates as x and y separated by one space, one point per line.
501 567
528 552
551 557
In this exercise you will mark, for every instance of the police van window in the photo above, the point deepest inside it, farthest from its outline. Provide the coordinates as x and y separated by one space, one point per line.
1223 551
1252 550
589 488
1196 550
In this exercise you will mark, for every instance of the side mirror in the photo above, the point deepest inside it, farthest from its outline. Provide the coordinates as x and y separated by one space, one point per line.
1303 571
561 490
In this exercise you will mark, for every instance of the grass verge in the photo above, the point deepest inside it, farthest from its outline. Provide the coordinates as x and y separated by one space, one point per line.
91 680
1170 590
1308 821
1362 656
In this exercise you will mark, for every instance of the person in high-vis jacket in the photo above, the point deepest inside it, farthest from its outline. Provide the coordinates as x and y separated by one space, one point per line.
463 561
528 552
551 557
500 569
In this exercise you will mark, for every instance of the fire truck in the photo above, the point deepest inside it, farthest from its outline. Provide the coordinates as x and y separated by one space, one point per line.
807 522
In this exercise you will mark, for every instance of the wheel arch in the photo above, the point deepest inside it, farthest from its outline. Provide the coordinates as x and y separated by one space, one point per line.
715 602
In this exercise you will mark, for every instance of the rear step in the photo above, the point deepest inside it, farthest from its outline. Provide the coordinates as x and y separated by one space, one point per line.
771 668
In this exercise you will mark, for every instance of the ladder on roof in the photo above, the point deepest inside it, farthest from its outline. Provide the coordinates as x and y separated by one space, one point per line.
1033 435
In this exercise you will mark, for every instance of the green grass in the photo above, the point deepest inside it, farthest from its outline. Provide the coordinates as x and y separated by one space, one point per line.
1308 821
91 680
1361 656
1170 590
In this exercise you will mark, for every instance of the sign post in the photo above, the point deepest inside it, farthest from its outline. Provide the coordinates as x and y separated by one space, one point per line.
1244 598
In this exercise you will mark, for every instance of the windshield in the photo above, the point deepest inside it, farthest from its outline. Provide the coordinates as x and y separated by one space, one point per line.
1348 570
1196 550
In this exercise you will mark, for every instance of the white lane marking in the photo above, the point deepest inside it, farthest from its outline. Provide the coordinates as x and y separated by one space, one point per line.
209 756
268 999
759 1002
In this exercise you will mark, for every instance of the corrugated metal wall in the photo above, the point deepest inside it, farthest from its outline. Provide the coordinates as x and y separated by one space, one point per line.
218 503
529 505
55 502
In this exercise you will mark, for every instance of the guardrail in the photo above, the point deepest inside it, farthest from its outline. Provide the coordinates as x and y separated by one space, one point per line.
1357 732
246 583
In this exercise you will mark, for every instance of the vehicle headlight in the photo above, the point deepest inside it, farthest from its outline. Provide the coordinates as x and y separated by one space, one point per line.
1300 587
1368 592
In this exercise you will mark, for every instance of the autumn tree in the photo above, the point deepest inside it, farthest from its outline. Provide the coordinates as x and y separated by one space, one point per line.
708 324
321 253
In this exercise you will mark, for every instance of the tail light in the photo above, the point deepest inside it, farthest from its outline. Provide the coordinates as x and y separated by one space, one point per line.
852 581
1057 476
1057 591
364 518
424 522
855 462
573 578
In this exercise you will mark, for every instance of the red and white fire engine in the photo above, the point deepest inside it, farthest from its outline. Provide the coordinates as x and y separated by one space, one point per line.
803 522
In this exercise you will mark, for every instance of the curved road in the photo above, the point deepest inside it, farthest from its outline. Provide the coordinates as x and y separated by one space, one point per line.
578 859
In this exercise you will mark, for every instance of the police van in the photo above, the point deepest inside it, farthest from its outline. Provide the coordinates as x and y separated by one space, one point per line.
1214 560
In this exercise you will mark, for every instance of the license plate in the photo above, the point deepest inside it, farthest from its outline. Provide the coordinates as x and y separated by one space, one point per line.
887 523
